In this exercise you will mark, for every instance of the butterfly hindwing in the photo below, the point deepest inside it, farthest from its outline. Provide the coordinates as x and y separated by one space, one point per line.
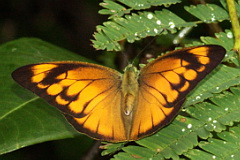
165 82
88 94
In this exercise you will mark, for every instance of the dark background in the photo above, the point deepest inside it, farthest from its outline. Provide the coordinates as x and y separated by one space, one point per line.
67 23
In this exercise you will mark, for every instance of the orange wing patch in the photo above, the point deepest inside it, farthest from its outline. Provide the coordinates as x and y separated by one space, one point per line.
104 120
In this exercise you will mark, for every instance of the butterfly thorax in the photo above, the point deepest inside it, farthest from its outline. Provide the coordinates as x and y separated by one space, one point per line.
129 88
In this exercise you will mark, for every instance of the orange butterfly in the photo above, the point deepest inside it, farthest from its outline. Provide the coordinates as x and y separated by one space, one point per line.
110 106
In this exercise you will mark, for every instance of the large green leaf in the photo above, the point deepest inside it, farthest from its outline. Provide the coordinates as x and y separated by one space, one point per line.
26 119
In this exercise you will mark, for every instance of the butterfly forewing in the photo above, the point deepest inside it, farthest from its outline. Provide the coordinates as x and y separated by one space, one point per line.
165 82
89 94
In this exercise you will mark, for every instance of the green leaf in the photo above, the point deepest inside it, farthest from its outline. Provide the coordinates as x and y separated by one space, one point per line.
110 148
25 119
118 9
208 13
135 27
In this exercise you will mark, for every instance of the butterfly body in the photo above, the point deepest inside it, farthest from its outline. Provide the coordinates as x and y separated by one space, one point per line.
129 88
110 106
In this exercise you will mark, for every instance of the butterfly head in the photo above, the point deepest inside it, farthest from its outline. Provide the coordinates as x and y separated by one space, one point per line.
131 68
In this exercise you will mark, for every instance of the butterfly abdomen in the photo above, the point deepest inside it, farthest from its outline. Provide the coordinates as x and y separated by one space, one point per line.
129 88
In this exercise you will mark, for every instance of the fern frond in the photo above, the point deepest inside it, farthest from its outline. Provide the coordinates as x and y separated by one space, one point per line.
208 13
227 147
120 7
135 27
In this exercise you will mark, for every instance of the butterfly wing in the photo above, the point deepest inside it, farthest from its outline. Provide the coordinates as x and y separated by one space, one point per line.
91 95
88 94
165 82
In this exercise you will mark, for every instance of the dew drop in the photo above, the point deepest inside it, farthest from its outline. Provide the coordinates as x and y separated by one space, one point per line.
189 126
198 97
158 149
229 35
213 17
149 16
175 41
171 24
158 22
181 34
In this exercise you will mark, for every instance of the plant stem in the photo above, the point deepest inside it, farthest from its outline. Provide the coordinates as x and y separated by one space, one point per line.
235 24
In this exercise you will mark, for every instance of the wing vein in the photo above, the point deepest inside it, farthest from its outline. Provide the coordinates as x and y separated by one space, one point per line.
155 98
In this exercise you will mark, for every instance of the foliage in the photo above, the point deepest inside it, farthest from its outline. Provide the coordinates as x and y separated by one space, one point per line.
134 26
209 120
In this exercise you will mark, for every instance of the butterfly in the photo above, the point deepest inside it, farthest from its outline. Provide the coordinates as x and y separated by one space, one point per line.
107 105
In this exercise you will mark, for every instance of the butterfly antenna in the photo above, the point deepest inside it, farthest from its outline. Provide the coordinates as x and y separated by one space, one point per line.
149 43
